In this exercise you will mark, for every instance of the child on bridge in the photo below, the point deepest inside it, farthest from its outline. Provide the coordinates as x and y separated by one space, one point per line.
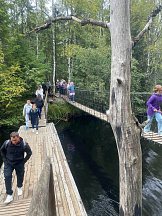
154 109
34 114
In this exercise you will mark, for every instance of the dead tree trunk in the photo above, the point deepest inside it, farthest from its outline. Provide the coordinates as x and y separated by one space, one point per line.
126 133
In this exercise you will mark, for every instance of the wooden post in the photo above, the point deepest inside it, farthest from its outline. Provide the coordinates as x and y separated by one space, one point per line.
40 201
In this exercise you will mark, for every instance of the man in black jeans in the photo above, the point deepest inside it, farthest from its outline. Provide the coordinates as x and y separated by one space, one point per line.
12 152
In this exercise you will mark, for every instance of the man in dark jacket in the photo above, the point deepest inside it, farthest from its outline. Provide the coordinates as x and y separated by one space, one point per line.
44 88
39 103
12 152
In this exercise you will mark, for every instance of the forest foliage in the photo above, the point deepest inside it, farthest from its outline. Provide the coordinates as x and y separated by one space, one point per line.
26 60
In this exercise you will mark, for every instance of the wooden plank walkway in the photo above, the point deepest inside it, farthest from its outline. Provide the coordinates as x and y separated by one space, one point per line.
19 207
154 137
67 199
93 112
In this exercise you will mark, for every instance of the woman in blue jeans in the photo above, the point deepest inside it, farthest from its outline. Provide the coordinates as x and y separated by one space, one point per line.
34 114
154 109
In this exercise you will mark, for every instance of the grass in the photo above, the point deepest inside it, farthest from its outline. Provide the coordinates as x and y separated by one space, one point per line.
62 110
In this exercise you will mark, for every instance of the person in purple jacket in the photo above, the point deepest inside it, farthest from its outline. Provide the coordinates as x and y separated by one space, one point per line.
154 109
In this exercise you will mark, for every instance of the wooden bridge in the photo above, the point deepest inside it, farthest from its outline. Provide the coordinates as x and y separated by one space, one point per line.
48 188
152 136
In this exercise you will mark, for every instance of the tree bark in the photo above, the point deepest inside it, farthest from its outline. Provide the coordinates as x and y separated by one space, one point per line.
127 134
36 27
54 53
54 58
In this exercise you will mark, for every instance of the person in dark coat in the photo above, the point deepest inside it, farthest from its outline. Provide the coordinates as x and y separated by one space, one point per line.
48 86
39 103
12 152
34 114
64 88
44 88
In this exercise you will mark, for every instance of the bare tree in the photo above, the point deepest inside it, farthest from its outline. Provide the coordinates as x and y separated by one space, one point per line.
54 53
125 126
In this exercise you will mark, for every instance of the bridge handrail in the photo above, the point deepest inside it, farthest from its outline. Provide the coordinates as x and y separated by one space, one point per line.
99 101
103 91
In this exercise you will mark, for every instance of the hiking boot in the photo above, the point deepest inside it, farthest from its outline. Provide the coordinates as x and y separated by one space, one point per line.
19 191
8 199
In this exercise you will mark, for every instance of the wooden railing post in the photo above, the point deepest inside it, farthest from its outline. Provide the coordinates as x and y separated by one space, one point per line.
40 201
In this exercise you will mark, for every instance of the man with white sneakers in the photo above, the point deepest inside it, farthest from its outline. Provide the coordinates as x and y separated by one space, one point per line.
12 152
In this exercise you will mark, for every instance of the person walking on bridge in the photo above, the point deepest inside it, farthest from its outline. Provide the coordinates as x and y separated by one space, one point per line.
39 91
34 114
44 89
154 109
39 103
26 110
12 152
72 91
49 86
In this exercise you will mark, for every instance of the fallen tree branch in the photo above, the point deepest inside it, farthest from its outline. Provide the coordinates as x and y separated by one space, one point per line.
149 21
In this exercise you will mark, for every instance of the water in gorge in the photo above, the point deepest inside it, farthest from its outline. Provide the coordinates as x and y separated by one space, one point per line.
91 152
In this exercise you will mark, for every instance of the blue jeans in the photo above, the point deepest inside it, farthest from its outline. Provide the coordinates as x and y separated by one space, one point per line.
40 109
158 118
27 120
72 97
36 127
8 169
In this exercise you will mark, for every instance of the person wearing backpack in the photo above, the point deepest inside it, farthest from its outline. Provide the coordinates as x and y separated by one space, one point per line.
12 152
39 103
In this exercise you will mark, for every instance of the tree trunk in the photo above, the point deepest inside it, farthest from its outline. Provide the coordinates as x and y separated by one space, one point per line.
126 132
54 54
54 58
36 26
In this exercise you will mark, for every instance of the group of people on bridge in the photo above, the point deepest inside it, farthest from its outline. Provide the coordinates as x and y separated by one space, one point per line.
13 149
33 111
43 88
66 89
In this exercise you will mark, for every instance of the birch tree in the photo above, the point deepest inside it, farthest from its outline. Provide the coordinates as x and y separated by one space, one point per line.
54 55
125 126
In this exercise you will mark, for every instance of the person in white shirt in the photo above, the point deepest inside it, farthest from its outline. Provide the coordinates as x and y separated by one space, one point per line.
26 110
39 91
